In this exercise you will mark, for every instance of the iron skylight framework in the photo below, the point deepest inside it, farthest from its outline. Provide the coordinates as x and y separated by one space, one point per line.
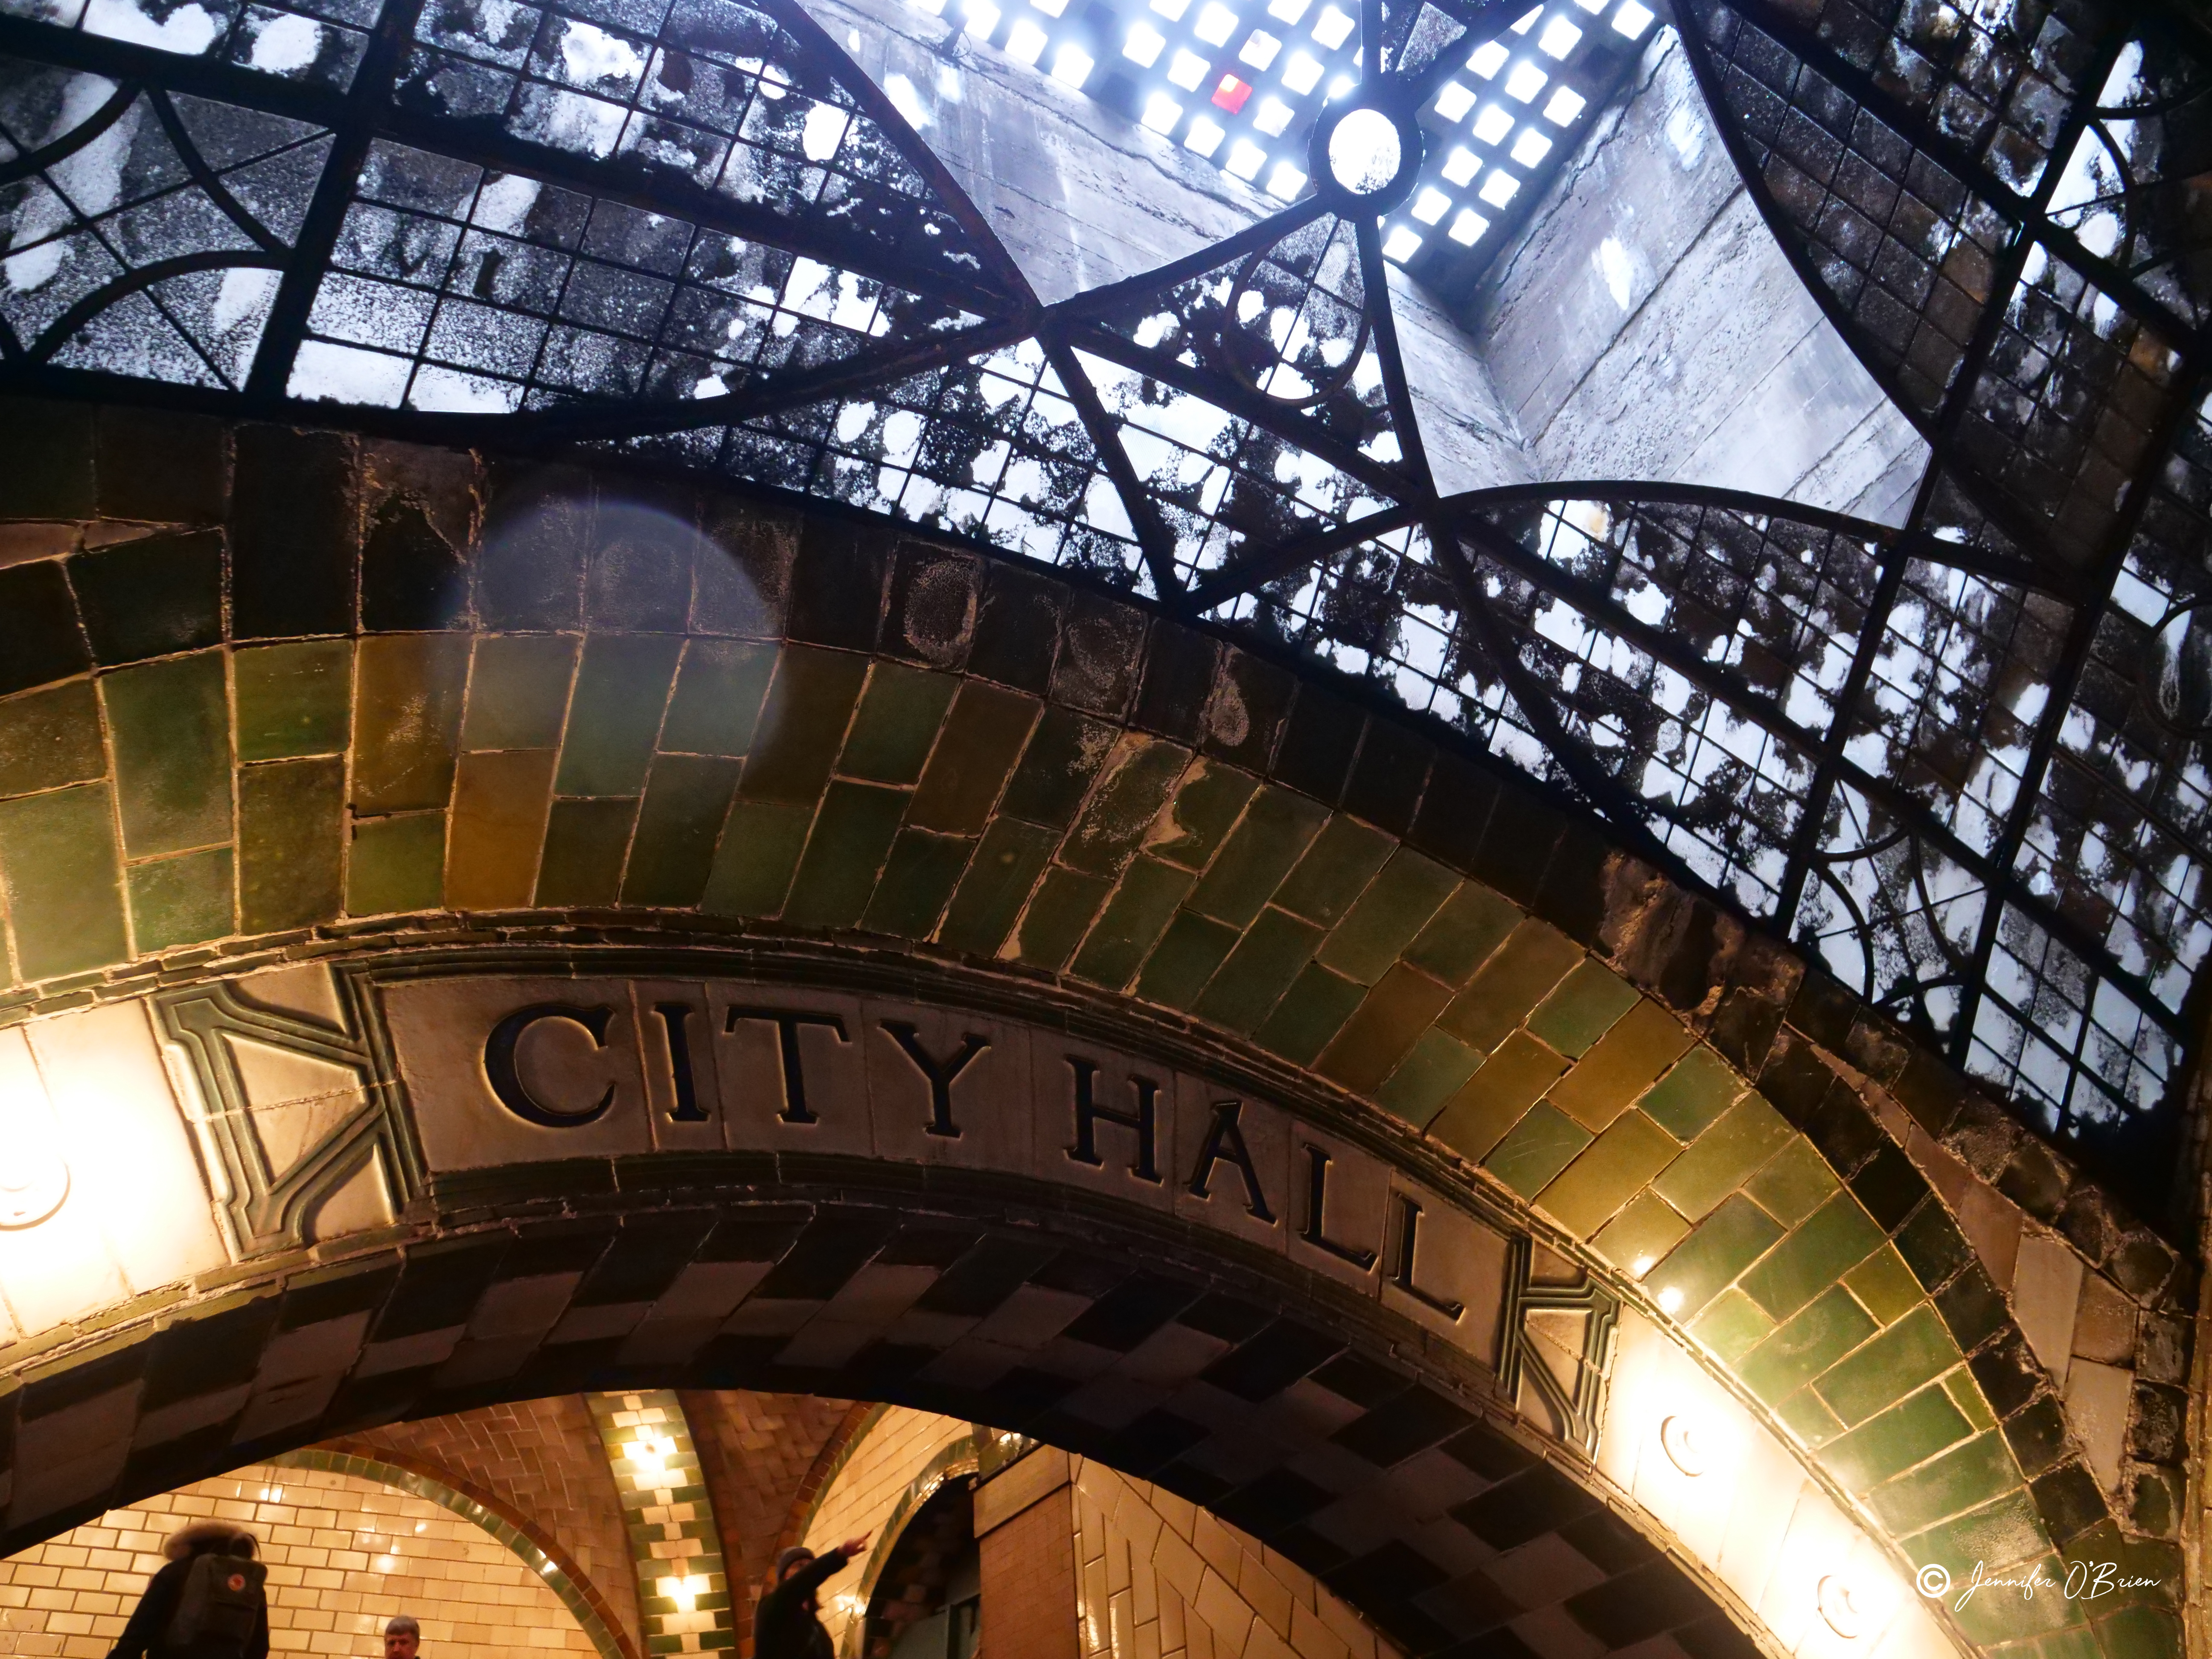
1963 762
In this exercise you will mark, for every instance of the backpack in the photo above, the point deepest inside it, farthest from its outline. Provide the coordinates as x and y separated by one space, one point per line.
221 1602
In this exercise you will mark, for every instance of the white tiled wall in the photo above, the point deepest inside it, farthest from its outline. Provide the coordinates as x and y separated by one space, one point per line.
896 1449
344 1554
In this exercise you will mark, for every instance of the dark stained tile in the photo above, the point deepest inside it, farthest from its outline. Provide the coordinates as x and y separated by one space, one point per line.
637 567
411 577
289 843
160 467
1318 744
1178 678
1057 769
1386 783
151 596
1017 629
1100 646
530 567
982 735
49 473
39 639
1251 699
803 725
837 585
292 542
935 594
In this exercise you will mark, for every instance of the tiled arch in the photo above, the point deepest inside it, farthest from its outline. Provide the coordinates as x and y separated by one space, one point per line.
325 696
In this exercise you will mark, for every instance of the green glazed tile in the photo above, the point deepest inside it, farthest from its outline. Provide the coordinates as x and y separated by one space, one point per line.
1731 1326
170 724
186 900
1634 1240
1693 1094
585 843
1713 1256
408 696
1607 1080
983 735
1007 862
1517 977
1804 1416
1062 762
895 724
1184 959
1205 807
1616 1167
1402 1006
57 863
1906 1434
2078 1642
753 864
1311 1013
519 691
1805 1345
686 798
1276 828
614 715
1245 988
1464 935
1134 920
1837 1236
716 706
802 725
917 883
1584 1008
2140 1632
1135 786
1334 871
397 864
293 700
1397 904
1723 1157
1497 1097
1885 1286
1967 1395
290 843
845 854
1535 1150
1793 1183
49 738
1058 912
1431 1072
1999 1533
1914 1351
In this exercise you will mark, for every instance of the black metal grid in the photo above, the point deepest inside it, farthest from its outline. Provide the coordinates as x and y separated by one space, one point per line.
1964 762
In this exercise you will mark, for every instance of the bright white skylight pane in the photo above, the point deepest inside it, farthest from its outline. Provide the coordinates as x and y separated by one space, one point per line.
1591 5
1287 11
1050 7
1332 27
1246 159
1566 104
1187 69
1274 117
1072 64
1430 205
1341 85
1527 21
1469 227
1301 74
1162 113
982 17
1462 165
1492 125
1171 9
1216 23
934 8
1260 51
1558 37
1525 82
1025 42
1285 181
1631 20
1531 147
1498 189
1489 57
1145 43
1401 244
1204 136
1453 101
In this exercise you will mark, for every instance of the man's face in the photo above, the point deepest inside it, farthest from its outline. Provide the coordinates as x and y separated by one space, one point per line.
401 1644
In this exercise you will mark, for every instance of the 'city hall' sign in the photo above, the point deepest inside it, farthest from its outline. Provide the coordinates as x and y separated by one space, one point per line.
241 1118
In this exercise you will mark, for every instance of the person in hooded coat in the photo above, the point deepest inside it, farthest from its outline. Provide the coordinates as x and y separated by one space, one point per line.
146 1635
787 1623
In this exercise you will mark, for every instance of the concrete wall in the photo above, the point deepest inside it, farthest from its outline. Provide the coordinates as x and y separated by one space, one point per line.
1645 325
344 1554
